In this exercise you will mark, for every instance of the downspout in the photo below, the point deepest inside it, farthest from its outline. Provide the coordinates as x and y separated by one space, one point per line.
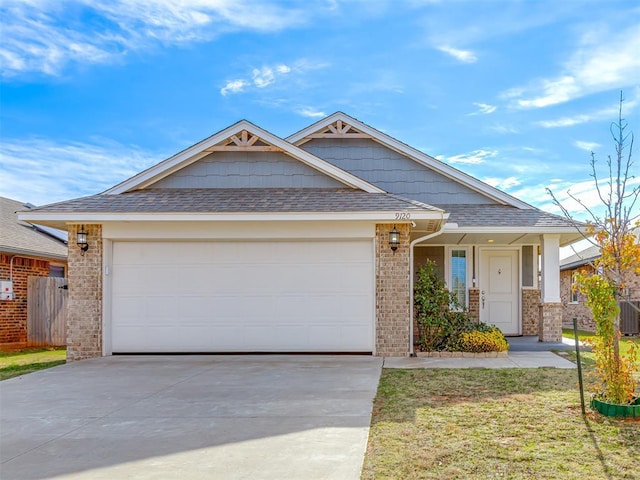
411 282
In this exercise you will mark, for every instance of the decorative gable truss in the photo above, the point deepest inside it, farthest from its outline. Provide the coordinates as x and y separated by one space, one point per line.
338 129
244 141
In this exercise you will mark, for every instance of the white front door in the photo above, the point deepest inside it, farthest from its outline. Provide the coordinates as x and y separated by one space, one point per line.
499 292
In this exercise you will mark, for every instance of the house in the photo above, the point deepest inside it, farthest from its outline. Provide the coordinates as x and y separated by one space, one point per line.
574 302
248 242
25 251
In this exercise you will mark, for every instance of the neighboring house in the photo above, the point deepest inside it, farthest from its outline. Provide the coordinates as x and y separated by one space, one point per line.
25 251
575 302
248 242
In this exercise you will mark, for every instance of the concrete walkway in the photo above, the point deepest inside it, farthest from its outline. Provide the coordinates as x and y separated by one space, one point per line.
514 360
190 417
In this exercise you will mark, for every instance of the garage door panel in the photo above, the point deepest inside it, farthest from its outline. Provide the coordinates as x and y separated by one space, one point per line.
242 296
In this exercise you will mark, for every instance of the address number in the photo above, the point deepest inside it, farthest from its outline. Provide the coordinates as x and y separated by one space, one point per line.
403 216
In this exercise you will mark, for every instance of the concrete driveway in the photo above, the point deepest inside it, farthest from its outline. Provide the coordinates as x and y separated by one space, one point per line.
190 417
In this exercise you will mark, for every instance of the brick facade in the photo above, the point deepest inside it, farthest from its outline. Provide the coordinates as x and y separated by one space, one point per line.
392 292
530 311
13 313
474 304
577 309
550 326
84 325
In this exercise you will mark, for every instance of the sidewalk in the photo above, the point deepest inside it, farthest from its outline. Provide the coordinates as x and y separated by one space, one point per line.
524 352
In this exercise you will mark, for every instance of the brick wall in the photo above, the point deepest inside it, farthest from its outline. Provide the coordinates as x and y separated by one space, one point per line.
474 304
13 313
392 292
530 311
550 326
84 325
577 309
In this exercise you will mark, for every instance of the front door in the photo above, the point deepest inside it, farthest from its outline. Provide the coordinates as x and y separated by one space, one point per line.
499 292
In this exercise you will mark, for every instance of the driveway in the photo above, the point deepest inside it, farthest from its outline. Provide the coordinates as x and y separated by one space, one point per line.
190 417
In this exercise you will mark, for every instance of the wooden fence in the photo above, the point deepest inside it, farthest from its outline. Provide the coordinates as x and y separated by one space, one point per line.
46 311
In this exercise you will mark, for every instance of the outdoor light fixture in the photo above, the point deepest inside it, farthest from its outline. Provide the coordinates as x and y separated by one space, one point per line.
82 240
394 239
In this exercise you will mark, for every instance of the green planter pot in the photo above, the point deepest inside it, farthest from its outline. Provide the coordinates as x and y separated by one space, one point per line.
631 410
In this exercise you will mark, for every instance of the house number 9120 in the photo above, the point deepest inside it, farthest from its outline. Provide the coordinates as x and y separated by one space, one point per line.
403 216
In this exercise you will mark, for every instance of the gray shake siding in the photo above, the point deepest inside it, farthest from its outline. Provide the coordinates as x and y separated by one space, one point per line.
244 170
393 172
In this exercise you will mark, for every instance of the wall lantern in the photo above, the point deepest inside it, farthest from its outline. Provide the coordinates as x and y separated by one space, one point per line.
394 239
82 240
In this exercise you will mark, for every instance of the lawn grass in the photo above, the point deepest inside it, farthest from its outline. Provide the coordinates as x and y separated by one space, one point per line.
625 344
13 364
486 424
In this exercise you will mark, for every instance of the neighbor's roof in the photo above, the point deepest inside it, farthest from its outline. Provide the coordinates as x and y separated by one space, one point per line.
21 238
232 200
503 216
581 258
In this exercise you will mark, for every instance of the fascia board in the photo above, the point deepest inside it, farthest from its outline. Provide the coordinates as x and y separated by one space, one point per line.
549 230
196 152
415 155
386 216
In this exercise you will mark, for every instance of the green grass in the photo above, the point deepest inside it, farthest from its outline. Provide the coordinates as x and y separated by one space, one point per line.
486 424
14 364
625 343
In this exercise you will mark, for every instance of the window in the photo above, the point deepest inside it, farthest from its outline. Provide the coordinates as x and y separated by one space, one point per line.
56 271
574 289
458 283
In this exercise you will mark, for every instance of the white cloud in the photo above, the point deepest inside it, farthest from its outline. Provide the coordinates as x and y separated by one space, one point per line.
483 109
502 128
233 86
502 183
265 76
311 113
80 168
587 146
464 56
111 28
602 61
471 158
601 114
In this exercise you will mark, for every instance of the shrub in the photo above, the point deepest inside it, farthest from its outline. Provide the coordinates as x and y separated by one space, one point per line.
442 321
489 340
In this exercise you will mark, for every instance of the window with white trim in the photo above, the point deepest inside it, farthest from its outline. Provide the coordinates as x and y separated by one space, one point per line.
574 289
458 274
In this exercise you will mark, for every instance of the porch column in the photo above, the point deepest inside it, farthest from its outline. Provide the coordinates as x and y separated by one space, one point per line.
550 325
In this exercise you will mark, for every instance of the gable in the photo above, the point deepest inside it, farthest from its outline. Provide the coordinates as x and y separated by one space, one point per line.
229 169
342 128
393 172
236 145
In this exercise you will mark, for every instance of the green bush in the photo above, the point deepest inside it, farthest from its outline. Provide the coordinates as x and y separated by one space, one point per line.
441 320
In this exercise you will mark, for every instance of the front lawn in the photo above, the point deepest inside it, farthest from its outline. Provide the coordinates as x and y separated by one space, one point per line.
625 343
13 364
485 424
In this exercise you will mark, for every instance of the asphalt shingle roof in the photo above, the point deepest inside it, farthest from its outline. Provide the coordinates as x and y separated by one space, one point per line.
581 258
502 216
20 237
267 200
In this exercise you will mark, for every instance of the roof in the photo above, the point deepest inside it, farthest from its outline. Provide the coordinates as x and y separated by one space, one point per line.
504 216
229 200
580 258
21 238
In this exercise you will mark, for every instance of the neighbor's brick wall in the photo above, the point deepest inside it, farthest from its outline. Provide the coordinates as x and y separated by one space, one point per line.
84 325
13 313
474 304
392 292
550 327
574 310
530 311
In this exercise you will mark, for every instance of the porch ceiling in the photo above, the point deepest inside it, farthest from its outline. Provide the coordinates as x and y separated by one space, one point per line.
491 238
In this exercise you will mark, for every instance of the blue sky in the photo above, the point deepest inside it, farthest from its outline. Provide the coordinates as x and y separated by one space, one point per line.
515 93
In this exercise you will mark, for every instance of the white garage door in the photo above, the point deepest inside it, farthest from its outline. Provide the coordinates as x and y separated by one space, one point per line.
242 297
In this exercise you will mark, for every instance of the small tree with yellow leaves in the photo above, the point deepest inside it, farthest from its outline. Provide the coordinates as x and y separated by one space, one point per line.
615 232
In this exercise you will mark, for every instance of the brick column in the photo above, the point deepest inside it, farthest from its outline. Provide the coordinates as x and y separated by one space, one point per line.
530 311
84 323
392 292
474 304
550 327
